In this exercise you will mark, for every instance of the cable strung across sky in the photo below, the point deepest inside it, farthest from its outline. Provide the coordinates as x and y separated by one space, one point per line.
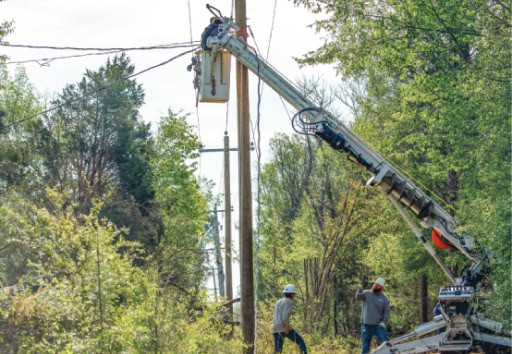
98 51
2 128
159 46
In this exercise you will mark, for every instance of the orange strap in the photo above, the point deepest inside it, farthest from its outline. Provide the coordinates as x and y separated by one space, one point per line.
242 33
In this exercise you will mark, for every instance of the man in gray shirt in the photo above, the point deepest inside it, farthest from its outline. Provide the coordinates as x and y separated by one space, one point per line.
375 314
282 328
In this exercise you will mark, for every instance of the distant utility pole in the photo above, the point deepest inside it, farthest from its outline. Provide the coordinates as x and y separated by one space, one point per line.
245 192
218 255
227 226
227 206
214 282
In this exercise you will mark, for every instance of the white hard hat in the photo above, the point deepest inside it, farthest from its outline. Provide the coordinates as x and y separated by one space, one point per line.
289 289
380 281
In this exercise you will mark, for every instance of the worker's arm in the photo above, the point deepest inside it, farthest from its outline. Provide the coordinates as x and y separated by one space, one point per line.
359 293
385 316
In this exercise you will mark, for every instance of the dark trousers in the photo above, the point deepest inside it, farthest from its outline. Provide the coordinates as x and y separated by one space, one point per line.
367 333
293 336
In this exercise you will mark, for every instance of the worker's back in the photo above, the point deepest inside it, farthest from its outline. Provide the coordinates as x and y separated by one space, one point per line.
282 312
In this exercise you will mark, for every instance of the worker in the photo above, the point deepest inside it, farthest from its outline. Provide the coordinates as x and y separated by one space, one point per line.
211 30
282 328
375 314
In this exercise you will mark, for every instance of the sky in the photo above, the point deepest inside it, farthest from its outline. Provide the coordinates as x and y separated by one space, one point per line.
129 23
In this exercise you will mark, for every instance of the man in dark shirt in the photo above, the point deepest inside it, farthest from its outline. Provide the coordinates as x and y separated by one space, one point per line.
375 314
211 30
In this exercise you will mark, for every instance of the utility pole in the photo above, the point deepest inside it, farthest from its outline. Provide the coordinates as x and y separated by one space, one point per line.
214 282
218 255
227 207
227 226
213 275
245 192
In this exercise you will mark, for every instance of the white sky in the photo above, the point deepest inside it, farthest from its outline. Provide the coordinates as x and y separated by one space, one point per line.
130 23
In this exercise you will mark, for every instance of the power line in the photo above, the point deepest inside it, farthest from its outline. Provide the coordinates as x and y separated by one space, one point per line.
46 61
271 29
95 91
159 46
190 21
197 109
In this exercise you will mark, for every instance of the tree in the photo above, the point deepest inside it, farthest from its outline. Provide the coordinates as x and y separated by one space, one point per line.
317 221
94 141
18 156
80 292
182 207
83 292
5 28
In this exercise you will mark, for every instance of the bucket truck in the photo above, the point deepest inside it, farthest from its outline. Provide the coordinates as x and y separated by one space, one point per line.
465 329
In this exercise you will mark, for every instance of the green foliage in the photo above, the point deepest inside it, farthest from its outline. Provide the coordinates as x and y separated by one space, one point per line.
95 141
83 293
195 329
80 289
18 156
120 275
436 102
6 27
182 206
93 144
316 224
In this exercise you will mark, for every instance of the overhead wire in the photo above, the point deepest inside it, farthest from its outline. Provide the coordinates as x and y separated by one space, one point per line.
190 20
98 51
271 29
197 108
266 58
87 94
47 61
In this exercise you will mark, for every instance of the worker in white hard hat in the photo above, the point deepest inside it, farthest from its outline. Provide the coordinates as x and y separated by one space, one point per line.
282 328
375 314
211 30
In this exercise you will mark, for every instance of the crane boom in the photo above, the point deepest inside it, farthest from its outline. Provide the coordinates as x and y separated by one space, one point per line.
340 138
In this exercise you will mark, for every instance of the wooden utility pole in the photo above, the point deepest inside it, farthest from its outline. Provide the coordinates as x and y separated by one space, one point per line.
227 207
227 226
214 282
218 255
245 192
